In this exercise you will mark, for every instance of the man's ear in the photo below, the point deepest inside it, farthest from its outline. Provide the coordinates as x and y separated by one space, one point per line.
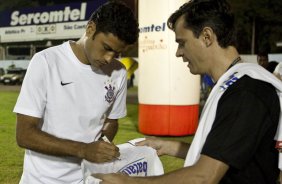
208 36
90 28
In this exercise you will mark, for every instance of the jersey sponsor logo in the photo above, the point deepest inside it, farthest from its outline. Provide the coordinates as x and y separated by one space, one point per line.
63 83
110 95
231 80
136 168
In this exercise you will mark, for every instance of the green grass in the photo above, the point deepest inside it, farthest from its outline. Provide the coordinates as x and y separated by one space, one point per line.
11 156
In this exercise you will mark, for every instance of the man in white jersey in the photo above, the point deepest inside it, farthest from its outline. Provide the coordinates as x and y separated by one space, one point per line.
71 95
234 142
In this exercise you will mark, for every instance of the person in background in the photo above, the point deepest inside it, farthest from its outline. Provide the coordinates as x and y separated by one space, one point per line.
131 65
72 95
234 142
262 59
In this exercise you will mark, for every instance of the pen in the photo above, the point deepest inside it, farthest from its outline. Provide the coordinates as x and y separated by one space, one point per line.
105 138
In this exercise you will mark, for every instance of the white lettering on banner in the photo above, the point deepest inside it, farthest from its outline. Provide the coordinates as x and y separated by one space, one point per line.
49 17
153 28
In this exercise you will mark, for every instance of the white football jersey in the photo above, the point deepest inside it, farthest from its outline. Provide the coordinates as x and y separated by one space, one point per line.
133 161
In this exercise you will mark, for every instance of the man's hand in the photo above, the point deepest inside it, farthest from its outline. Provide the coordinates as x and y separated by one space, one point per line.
158 144
100 151
165 147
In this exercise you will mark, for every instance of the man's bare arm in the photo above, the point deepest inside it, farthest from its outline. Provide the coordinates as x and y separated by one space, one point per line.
166 147
207 170
29 135
110 128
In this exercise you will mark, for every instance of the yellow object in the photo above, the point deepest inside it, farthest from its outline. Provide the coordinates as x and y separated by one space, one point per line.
130 64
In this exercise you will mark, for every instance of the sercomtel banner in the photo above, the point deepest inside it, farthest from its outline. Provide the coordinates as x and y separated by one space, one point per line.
168 93
64 21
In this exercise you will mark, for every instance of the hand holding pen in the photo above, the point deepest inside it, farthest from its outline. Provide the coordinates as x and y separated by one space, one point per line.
100 151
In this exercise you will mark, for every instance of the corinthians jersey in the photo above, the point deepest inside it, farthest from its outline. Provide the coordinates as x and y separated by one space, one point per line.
133 161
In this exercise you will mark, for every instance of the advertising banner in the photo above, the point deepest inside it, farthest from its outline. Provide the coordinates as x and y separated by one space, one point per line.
46 23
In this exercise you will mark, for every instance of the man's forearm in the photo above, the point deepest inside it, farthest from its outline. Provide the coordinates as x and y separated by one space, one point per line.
207 170
48 144
181 149
29 136
110 128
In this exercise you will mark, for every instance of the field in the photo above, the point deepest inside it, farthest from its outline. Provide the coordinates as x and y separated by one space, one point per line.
11 156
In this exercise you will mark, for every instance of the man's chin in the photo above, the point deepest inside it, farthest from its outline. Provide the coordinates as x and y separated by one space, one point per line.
193 71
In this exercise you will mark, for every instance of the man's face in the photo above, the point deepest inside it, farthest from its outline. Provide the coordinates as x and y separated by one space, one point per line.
263 61
189 48
101 49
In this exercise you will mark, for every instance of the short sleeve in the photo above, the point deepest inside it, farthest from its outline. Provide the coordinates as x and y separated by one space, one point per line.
118 109
32 97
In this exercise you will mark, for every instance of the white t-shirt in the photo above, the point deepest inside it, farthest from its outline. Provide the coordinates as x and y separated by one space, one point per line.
133 161
73 101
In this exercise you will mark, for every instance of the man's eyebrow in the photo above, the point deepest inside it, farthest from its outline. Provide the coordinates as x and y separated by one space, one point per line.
109 48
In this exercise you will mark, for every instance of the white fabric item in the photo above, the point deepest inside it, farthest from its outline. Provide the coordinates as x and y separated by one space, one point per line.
208 114
133 161
278 70
74 111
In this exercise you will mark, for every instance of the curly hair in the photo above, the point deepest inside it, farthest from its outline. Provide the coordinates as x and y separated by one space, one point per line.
116 18
215 14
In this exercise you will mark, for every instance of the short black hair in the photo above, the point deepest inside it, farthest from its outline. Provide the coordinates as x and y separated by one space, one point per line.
262 54
116 18
212 13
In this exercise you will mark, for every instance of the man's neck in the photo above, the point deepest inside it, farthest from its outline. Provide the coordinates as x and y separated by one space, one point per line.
223 60
77 48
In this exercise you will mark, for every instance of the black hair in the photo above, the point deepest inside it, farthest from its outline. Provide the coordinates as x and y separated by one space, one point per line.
116 18
262 54
215 14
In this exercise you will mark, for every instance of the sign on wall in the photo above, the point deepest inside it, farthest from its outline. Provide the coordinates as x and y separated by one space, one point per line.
168 93
46 23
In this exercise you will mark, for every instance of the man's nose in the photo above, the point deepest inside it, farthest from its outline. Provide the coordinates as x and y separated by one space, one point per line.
178 53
